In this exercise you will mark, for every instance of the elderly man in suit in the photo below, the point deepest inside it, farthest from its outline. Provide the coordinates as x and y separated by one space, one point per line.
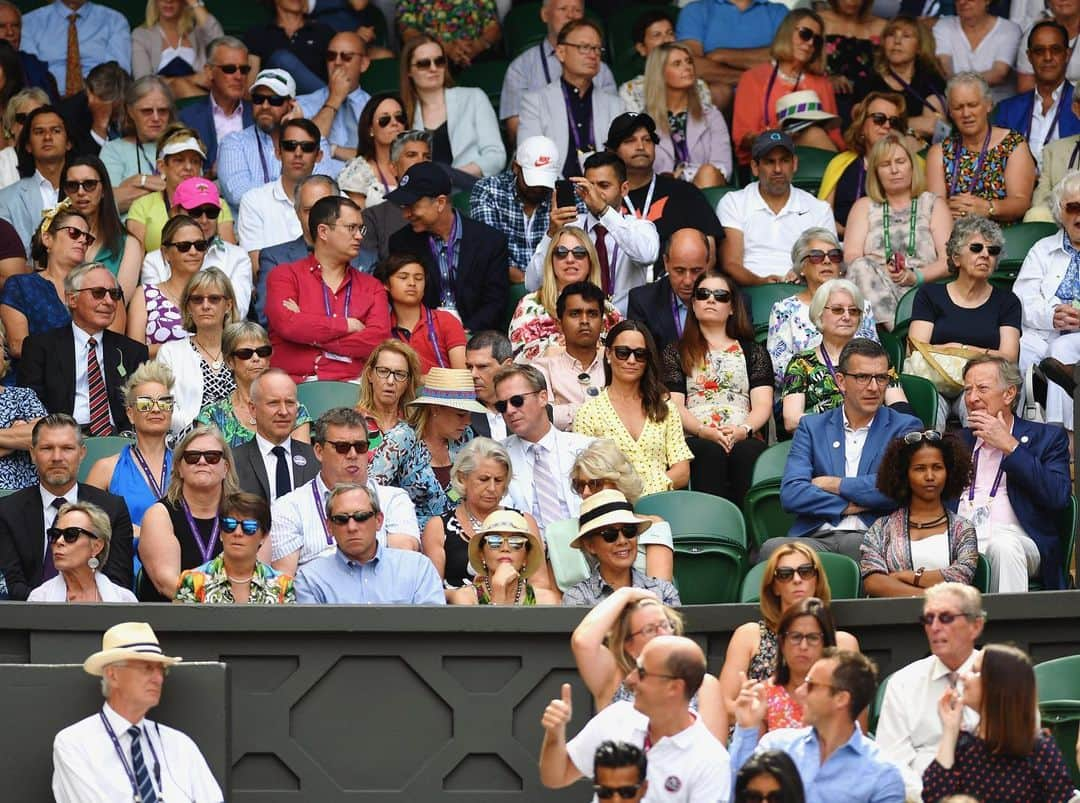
25 558
81 368
273 463
662 305
830 480
224 111
46 142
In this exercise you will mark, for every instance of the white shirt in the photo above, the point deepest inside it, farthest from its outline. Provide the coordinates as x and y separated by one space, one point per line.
1036 285
562 449
81 410
768 237
691 766
1000 44
297 522
1041 132
232 260
87 769
55 590
270 460
497 426
1023 63
909 728
48 192
266 217
633 245
854 441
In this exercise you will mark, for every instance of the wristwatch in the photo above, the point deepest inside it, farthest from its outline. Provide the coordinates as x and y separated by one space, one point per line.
749 430
990 212
918 575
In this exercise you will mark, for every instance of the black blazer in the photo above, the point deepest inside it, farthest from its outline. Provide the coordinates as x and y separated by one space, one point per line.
651 304
482 286
47 367
251 470
22 538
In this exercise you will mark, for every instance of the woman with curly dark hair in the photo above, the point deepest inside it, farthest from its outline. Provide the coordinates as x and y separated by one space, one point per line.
769 777
922 542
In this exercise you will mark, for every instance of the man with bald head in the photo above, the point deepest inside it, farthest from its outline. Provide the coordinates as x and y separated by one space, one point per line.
662 305
273 462
685 759
336 108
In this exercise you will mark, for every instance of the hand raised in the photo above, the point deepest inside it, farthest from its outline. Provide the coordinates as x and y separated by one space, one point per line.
558 712
750 704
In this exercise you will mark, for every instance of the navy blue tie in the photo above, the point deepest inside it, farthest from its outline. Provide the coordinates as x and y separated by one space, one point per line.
142 774
282 481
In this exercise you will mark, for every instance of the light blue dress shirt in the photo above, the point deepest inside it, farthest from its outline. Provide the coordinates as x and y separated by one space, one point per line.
343 131
854 773
104 35
246 159
392 577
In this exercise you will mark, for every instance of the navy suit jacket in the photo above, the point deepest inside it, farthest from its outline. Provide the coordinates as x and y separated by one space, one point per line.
1038 483
200 117
651 304
1015 113
818 451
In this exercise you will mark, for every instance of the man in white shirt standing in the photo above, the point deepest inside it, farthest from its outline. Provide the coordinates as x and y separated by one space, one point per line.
909 727
763 220
119 754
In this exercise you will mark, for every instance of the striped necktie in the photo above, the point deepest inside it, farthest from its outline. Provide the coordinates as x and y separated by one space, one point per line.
100 423
138 765
548 507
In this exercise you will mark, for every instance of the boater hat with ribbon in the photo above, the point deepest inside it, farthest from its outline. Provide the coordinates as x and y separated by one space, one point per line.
798 110
127 641
603 509
450 387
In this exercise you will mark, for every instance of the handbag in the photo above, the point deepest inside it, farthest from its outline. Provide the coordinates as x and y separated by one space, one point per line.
942 365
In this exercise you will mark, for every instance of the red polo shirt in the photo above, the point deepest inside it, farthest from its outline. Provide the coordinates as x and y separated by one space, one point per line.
447 333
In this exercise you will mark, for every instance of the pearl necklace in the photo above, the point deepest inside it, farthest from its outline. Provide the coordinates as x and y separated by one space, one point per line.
517 594
240 581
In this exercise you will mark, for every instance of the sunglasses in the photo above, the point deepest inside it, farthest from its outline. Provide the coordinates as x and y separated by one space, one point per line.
945 618
212 456
611 534
930 435
1072 208
816 256
115 293
69 534
344 447
183 246
86 185
145 404
21 117
594 486
213 298
808 35
206 211
427 64
247 354
751 796
359 516
645 673
704 294
233 69
344 55
812 684
607 792
785 574
811 639
247 526
623 353
839 310
290 145
579 252
78 234
516 400
515 542
992 250
878 118
274 100
384 120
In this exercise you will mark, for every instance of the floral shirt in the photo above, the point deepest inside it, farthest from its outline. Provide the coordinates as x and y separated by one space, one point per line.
792 331
632 94
886 547
990 181
358 176
718 391
447 20
782 710
532 330
222 415
209 583
808 374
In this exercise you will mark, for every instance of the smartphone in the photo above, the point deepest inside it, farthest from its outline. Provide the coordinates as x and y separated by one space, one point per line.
564 193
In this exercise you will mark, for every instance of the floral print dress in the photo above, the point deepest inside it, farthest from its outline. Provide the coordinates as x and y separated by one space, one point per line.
447 20
792 331
960 167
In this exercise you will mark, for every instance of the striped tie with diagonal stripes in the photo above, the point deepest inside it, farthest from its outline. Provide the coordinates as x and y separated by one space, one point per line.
138 766
99 399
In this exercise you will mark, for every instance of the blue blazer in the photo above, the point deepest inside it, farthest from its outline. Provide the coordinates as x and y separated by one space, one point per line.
20 205
818 451
1039 486
200 117
1015 113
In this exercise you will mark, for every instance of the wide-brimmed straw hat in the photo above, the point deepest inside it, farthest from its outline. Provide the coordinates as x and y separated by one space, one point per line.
450 387
507 522
798 110
603 509
127 641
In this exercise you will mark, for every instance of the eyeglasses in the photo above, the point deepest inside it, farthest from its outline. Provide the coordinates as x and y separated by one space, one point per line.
816 256
862 380
183 246
650 630
607 792
385 373
359 516
946 618
232 69
811 639
344 447
69 534
516 400
811 684
71 186
752 796
145 404
785 574
562 252
427 64
212 456
207 211
992 250
515 542
644 673
878 118
274 100
585 49
808 35
611 534
1072 208
839 310
384 120
247 354
98 293
594 486
77 234
290 145
352 228
704 294
623 353
199 300
247 526
930 435
344 55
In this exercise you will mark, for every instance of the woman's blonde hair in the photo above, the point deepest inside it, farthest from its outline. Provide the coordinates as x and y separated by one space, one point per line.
883 150
925 57
616 639
186 23
604 460
15 102
366 401
206 278
781 50
149 371
229 485
99 524
770 602
549 286
656 86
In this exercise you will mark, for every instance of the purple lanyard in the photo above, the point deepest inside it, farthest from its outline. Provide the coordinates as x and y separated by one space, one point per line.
319 504
433 337
769 88
829 364
159 490
451 250
675 315
911 91
679 143
1053 123
573 122
382 179
123 757
206 549
348 295
544 64
262 157
978 165
974 474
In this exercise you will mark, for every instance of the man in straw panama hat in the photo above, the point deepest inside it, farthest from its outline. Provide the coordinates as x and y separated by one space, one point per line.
118 754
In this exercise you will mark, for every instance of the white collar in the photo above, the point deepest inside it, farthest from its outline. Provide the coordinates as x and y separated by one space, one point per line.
82 337
216 107
847 426
939 670
757 200
265 446
119 724
48 496
277 190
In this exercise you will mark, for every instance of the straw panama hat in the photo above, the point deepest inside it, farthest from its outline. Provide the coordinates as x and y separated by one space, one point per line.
450 387
133 641
506 521
603 509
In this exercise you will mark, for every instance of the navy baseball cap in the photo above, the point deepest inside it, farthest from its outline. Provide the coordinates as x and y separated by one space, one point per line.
768 140
422 180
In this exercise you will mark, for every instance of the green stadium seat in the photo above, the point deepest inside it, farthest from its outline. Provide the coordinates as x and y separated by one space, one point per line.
1058 683
518 291
485 75
879 701
460 200
321 396
770 464
568 564
695 515
923 397
812 164
522 28
903 317
714 194
842 571
762 298
381 76
982 575
706 572
97 448
765 517
1067 532
625 61
1019 238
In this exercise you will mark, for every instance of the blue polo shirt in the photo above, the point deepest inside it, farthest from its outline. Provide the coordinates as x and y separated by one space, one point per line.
720 23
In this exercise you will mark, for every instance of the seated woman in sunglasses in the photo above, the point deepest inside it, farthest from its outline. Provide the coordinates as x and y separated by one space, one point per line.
922 542
79 543
236 575
570 258
247 351
372 172
792 573
810 380
182 531
804 631
503 554
722 384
